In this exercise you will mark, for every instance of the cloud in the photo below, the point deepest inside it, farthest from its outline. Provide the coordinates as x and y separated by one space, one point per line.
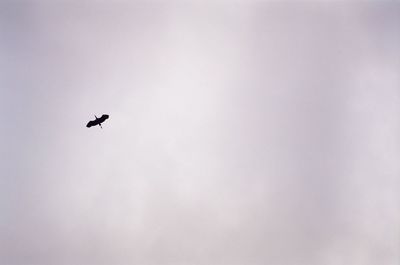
239 133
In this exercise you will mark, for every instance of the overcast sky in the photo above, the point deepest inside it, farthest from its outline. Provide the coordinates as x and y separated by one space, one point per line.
240 133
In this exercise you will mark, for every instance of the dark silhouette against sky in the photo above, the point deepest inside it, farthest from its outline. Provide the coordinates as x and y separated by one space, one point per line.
98 121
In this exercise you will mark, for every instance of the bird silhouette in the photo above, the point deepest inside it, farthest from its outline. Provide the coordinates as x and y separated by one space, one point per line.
98 121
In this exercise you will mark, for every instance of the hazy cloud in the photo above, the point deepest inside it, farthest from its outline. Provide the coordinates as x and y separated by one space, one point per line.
239 133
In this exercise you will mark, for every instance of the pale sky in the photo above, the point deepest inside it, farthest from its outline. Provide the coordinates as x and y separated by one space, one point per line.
240 133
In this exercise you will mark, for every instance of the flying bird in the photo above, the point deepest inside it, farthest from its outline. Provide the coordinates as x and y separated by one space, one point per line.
97 121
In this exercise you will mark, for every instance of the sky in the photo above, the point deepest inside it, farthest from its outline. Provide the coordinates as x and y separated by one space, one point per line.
240 132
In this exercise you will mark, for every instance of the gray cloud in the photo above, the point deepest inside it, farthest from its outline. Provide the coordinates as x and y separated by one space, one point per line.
239 133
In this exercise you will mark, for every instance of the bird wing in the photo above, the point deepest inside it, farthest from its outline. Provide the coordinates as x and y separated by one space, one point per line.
91 123
103 118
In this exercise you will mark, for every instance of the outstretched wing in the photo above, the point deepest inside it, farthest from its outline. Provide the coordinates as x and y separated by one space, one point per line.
103 118
91 123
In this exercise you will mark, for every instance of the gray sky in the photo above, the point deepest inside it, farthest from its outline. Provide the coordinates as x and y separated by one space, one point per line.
246 133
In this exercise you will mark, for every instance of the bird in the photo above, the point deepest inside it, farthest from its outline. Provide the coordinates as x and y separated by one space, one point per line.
98 121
